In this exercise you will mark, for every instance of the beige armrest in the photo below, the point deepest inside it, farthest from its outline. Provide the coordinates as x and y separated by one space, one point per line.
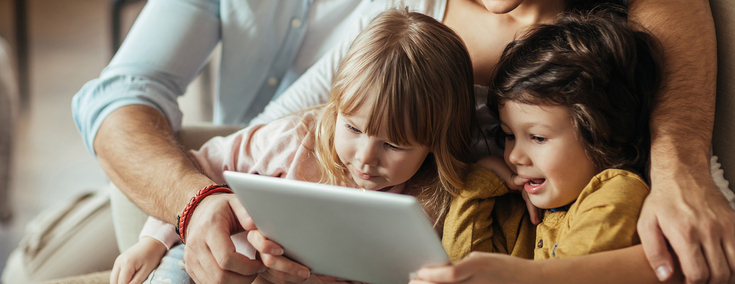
193 137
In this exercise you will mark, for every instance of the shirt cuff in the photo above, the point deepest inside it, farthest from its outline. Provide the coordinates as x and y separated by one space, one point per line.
161 231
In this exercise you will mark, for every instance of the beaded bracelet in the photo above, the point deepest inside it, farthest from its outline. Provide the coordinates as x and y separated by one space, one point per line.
183 219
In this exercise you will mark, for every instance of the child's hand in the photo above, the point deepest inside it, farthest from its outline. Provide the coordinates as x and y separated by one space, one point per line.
136 263
480 267
512 181
498 166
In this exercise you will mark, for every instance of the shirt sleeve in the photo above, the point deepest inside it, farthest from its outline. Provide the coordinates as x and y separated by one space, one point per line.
606 216
161 231
165 49
268 149
470 224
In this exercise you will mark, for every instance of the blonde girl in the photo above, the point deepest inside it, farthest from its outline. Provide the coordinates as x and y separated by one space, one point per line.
398 120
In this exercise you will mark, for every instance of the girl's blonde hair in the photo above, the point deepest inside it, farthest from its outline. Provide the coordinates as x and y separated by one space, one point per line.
417 77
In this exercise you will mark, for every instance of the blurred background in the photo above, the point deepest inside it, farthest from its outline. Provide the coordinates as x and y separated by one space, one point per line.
68 44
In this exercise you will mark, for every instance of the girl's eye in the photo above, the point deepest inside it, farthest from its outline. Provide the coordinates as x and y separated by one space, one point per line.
539 139
393 147
353 129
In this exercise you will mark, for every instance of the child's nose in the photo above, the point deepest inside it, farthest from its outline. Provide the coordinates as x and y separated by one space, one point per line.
518 156
367 154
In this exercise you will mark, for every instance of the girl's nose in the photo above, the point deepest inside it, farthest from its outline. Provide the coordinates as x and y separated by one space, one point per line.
367 153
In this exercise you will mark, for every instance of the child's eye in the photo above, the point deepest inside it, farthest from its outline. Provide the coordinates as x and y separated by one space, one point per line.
539 138
393 147
509 136
353 129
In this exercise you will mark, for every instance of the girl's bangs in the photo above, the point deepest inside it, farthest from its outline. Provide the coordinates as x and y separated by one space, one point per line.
386 108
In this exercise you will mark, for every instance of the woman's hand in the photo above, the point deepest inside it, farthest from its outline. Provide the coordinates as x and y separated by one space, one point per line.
135 264
210 254
512 181
480 267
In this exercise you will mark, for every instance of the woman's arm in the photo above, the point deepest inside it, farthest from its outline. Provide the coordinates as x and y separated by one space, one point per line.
685 207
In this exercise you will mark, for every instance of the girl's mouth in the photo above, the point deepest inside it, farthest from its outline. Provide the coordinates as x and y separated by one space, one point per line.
363 175
534 185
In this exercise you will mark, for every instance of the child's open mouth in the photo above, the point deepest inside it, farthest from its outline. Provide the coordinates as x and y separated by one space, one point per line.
533 185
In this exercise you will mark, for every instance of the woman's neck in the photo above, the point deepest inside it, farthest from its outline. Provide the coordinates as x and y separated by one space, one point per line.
532 12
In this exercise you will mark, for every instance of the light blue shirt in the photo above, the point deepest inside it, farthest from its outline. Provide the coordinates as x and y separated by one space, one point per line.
171 40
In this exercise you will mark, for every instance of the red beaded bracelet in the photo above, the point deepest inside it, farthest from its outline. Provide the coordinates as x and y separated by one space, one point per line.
183 219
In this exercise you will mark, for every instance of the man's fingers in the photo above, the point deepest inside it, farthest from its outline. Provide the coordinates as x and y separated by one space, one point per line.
241 214
226 258
262 244
208 271
280 268
193 267
284 268
719 269
691 256
728 245
657 252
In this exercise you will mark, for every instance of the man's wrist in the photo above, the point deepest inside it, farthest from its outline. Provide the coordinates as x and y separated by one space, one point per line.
185 216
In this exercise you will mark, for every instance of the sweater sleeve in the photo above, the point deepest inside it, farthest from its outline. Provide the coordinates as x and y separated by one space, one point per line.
469 225
267 149
161 231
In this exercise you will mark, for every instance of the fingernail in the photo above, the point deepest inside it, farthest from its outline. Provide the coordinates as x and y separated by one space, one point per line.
663 272
413 275
262 269
277 251
304 273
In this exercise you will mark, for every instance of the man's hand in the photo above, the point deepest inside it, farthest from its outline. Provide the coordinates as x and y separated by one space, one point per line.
280 269
209 253
691 214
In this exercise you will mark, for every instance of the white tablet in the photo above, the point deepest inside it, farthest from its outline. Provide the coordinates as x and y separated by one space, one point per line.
366 236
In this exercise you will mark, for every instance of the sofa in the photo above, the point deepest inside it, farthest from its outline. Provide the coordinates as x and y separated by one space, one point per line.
724 133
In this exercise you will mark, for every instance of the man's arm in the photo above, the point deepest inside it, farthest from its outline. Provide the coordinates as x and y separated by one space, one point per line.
685 207
135 143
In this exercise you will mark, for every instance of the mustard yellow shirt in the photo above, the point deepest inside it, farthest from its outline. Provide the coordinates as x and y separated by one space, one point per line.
603 218
484 218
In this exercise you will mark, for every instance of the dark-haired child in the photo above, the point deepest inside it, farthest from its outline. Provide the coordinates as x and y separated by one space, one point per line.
573 100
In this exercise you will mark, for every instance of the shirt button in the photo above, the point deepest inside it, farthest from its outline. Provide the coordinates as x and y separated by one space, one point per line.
540 243
272 81
296 23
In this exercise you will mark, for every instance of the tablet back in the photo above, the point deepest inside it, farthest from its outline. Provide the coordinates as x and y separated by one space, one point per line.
366 236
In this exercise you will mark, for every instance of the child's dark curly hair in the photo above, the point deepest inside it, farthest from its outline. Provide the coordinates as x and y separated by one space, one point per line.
603 69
